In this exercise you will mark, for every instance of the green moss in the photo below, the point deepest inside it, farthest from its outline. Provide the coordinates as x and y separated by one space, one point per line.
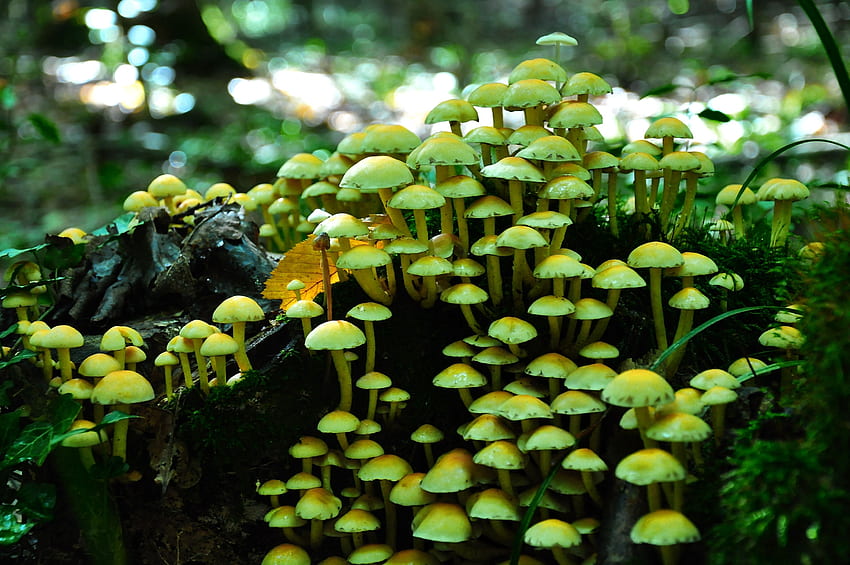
786 497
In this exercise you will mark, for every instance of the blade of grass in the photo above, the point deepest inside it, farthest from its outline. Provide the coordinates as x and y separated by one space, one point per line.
702 327
764 161
770 369
833 52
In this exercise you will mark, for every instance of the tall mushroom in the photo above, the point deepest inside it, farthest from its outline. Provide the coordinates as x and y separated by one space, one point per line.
120 389
238 311
337 336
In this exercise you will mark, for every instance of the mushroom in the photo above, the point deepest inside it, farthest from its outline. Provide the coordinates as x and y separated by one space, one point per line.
62 338
120 389
238 311
337 336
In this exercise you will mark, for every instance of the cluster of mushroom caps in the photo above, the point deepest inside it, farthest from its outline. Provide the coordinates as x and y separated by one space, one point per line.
468 501
111 377
525 186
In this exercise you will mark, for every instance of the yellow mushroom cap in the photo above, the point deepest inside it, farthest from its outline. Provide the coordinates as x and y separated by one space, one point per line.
166 185
238 309
551 533
61 337
512 330
287 554
650 466
122 387
98 365
218 344
335 335
637 387
655 254
668 127
664 527
442 521
84 439
318 504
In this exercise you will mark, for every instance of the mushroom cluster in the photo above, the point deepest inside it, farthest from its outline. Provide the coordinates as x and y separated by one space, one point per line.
504 200
478 216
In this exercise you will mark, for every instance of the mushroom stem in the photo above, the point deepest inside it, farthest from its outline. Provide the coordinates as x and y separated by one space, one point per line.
688 204
368 281
395 215
119 433
389 512
504 476
369 331
590 487
186 368
203 376
781 222
470 319
738 221
169 383
686 322
241 356
494 279
86 457
561 556
219 366
316 533
343 372
668 196
462 226
612 203
657 307
65 367
515 192
644 420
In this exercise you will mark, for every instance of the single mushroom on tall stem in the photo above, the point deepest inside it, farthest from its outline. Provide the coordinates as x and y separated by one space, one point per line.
238 311
336 336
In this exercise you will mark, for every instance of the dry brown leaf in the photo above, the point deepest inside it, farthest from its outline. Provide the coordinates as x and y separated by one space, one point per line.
302 262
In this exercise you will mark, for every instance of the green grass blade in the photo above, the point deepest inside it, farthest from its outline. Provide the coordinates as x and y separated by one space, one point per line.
833 52
702 327
524 524
764 162
770 369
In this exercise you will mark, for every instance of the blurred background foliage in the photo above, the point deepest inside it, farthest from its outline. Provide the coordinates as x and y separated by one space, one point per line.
99 97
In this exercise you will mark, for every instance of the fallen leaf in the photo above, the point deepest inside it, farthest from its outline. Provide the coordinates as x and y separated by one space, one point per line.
302 262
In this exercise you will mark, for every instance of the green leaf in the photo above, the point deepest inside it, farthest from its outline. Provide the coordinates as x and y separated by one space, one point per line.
11 530
4 398
62 411
679 7
830 46
46 128
112 417
17 358
112 467
32 445
10 428
122 224
62 253
37 500
715 115
659 90
11 252
729 77
8 98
